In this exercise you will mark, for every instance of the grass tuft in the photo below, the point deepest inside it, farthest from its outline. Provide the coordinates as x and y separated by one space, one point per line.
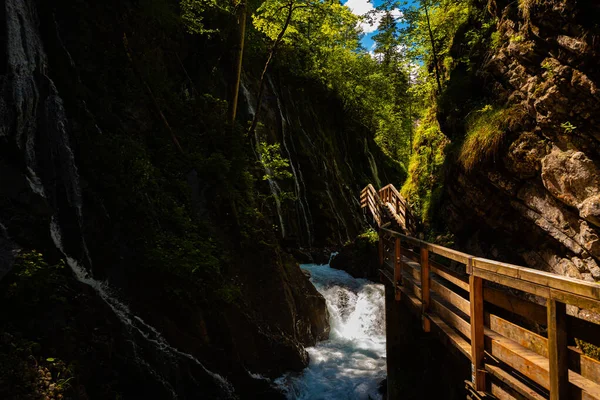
485 131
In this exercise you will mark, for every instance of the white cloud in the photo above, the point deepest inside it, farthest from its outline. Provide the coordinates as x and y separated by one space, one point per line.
362 7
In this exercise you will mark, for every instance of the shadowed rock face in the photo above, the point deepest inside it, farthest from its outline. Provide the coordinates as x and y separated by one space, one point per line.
538 201
49 88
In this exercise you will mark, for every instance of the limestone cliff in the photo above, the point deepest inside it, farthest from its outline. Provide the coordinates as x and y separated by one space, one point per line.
535 201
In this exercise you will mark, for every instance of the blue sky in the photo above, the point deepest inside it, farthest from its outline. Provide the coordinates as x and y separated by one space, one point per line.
361 7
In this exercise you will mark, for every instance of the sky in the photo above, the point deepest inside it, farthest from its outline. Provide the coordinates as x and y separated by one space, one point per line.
361 7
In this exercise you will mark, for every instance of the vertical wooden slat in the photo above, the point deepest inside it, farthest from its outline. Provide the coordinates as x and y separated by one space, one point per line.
557 350
477 332
425 286
397 268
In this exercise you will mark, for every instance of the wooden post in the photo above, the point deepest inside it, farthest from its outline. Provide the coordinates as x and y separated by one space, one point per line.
425 284
477 332
380 248
557 350
397 268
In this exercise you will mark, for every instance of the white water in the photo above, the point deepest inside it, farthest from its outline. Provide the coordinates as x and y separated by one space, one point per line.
352 363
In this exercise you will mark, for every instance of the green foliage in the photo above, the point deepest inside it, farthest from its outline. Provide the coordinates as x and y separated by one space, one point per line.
423 186
370 236
193 13
32 275
548 67
568 127
322 43
516 39
485 131
496 40
273 162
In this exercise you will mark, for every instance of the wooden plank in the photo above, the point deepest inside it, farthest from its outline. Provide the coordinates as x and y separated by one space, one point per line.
557 350
413 287
450 297
425 287
411 269
513 384
457 340
450 318
448 275
413 303
455 255
581 388
518 334
386 277
512 282
524 308
477 332
411 254
397 268
578 363
584 365
529 364
541 278
576 300
534 366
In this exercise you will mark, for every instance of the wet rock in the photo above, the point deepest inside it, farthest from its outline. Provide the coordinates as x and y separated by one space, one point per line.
359 258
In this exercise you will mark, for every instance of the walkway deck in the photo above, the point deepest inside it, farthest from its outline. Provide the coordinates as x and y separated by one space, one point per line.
517 325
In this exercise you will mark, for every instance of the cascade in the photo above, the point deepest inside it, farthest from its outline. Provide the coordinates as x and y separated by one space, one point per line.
300 195
340 220
27 63
247 97
372 164
352 362
273 186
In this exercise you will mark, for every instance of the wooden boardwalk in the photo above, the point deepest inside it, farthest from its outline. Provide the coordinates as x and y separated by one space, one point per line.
517 325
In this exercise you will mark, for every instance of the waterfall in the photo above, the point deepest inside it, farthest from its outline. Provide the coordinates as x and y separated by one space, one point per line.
351 364
372 164
248 98
273 186
300 195
334 210
27 65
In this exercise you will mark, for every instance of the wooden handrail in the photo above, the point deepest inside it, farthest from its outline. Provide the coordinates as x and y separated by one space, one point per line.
508 351
387 201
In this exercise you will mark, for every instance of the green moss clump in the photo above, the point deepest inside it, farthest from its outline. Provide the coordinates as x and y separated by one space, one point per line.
485 131
589 349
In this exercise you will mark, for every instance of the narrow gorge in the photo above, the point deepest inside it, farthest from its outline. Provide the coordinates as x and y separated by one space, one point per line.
180 185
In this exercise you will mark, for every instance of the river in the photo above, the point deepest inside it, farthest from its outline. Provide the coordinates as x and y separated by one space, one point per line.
352 362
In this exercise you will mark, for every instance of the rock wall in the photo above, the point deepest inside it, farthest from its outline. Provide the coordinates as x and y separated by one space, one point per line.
181 254
536 201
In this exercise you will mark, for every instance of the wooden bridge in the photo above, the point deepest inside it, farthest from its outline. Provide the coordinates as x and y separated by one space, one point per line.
516 325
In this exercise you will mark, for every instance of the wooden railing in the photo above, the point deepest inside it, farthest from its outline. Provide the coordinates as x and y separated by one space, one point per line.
510 321
387 201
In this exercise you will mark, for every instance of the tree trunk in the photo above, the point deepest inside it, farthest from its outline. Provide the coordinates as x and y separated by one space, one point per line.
239 56
261 87
435 60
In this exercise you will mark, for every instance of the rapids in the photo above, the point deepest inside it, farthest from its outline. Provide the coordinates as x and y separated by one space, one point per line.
352 362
